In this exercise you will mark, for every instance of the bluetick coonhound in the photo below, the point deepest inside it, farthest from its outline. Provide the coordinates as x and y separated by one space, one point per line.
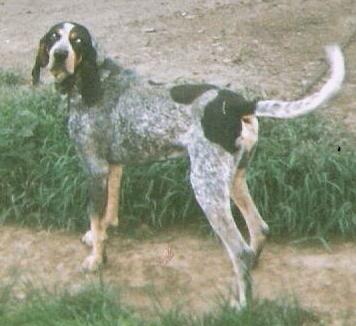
117 118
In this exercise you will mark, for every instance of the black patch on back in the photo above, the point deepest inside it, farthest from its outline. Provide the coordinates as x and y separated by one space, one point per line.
222 118
187 93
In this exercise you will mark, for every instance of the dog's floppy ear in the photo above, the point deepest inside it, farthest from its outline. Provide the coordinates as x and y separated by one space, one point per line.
90 89
41 61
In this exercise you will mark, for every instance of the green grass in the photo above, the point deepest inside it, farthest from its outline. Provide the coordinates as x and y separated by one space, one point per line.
100 306
261 313
300 182
41 179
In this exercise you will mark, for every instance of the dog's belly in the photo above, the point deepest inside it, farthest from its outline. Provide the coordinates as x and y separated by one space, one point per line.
135 155
132 146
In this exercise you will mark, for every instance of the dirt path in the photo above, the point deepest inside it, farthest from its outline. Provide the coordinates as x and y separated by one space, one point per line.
184 268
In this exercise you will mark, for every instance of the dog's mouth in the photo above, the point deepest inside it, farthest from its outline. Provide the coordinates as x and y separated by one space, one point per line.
60 73
64 80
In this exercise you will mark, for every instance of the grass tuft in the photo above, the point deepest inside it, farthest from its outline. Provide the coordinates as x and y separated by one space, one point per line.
10 78
42 182
101 306
93 305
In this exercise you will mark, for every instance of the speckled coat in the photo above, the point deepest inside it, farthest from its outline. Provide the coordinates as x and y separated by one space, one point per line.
137 121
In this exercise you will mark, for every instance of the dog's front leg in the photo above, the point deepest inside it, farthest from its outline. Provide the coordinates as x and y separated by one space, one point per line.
98 176
112 204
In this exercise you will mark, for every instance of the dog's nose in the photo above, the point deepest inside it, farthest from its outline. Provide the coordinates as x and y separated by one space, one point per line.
60 55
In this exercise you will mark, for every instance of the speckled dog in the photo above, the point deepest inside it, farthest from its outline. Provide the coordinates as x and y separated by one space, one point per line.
117 118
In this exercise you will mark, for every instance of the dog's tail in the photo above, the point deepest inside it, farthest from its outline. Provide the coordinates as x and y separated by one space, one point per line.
287 110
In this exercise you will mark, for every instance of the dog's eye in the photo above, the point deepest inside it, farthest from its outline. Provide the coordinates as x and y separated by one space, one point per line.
77 40
54 36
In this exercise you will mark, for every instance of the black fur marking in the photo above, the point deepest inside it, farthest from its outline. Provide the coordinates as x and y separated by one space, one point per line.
89 82
41 59
186 94
66 85
87 71
36 72
222 118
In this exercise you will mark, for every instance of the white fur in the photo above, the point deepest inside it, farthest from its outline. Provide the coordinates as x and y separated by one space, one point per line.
286 110
63 44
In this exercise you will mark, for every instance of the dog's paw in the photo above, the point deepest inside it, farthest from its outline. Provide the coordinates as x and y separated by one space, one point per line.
87 239
92 264
258 244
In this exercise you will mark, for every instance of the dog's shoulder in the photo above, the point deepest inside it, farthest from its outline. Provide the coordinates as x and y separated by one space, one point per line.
112 71
115 80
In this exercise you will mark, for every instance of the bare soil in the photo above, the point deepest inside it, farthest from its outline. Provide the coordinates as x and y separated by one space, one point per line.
271 46
183 268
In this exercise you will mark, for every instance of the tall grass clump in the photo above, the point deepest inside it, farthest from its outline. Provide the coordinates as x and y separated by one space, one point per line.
100 306
301 183
301 177
41 179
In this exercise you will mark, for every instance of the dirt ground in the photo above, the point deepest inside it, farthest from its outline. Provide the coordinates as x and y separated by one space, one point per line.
274 47
184 268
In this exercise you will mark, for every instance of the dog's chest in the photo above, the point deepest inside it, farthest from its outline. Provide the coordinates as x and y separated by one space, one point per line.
91 132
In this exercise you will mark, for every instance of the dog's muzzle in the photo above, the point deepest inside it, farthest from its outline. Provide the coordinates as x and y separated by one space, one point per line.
60 56
60 67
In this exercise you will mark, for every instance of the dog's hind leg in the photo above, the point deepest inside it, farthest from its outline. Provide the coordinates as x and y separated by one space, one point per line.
257 227
112 205
211 177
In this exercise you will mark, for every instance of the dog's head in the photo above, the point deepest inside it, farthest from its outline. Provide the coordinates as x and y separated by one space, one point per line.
69 52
